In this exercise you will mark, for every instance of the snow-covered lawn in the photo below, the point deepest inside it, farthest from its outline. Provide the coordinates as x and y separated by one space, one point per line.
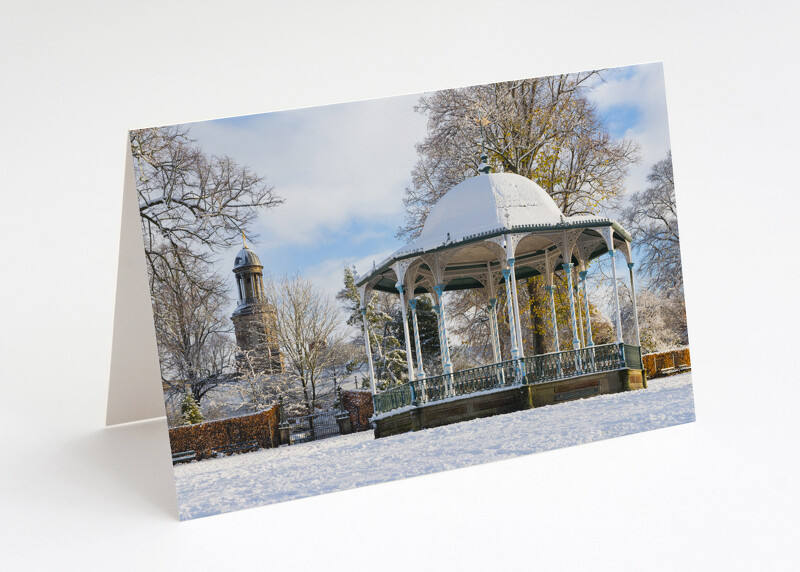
335 464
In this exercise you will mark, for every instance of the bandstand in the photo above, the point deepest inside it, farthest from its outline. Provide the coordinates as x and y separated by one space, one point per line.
486 233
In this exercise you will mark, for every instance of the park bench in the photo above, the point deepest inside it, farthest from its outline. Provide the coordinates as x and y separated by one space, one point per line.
184 457
245 446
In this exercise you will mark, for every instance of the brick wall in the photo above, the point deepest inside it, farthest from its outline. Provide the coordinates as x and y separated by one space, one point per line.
359 405
203 437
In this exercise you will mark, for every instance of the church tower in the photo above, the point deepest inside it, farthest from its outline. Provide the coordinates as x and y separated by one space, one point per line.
254 318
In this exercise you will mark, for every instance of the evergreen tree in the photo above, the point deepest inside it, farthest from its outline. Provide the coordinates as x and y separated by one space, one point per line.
428 333
389 359
190 411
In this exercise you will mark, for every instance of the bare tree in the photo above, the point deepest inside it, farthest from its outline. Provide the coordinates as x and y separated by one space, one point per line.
652 218
311 333
258 387
662 319
189 201
191 205
544 129
191 326
350 353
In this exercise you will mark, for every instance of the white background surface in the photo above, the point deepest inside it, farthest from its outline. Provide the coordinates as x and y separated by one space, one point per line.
718 494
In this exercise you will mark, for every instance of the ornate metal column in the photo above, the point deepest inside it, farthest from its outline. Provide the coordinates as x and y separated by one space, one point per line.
576 342
511 314
618 317
369 351
550 290
579 310
495 330
589 341
635 313
409 361
494 325
412 303
517 320
447 366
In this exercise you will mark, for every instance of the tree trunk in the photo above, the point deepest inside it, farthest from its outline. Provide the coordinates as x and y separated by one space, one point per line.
306 397
537 299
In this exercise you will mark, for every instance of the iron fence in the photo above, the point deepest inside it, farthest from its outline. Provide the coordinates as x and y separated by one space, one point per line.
527 371
572 363
313 427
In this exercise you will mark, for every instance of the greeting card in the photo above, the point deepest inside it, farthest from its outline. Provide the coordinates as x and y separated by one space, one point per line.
345 295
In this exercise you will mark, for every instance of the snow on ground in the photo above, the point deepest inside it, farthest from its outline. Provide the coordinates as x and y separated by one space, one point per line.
276 475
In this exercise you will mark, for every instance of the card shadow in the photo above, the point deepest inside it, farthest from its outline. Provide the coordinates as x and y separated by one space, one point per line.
136 456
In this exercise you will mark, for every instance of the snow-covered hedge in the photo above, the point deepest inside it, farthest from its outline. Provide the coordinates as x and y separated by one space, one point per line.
205 437
669 360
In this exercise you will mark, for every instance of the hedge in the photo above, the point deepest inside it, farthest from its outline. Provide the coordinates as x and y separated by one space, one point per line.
654 363
359 405
205 437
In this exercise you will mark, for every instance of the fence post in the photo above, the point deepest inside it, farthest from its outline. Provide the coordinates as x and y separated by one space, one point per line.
283 427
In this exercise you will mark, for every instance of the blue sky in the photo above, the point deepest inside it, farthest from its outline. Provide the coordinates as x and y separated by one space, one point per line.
342 170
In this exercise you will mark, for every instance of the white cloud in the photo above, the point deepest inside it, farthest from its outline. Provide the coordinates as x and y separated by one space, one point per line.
327 275
333 165
644 90
342 169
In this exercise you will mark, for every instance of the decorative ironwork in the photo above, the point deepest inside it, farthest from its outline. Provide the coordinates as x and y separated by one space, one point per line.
525 371
313 427
572 363
632 356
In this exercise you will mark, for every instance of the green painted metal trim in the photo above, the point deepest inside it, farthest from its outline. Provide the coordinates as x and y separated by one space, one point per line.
518 229
529 371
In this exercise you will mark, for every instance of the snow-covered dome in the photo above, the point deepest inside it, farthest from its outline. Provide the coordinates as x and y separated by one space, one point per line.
246 257
470 221
487 203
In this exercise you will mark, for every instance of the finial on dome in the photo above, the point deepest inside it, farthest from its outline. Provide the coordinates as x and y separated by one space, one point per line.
484 166
244 240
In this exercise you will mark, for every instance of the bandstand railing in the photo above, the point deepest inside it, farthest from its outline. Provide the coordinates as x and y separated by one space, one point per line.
527 371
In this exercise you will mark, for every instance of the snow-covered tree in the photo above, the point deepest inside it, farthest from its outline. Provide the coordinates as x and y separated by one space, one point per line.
651 217
602 328
190 202
662 320
191 205
389 357
310 332
189 303
258 388
544 129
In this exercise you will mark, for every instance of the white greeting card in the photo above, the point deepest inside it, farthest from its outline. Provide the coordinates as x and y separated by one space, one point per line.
351 294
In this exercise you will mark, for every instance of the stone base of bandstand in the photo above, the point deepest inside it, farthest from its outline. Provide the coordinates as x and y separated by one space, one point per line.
514 398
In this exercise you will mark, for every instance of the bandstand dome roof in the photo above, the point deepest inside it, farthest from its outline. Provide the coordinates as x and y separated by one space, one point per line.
246 257
484 203
472 214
